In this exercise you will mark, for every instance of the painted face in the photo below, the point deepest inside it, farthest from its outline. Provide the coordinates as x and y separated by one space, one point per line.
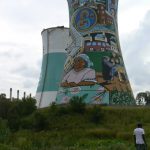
79 64
113 1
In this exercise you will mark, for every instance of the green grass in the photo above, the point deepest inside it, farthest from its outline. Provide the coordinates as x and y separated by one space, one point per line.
111 129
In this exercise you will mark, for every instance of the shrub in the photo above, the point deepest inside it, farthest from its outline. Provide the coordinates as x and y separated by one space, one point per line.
39 121
124 135
102 133
77 104
13 118
4 131
4 108
62 110
55 110
27 123
95 114
118 146
5 147
28 106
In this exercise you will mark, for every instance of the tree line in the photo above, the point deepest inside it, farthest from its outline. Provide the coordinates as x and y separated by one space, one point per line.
143 98
13 111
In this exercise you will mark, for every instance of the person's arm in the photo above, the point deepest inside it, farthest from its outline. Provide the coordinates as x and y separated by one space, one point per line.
144 139
143 136
134 139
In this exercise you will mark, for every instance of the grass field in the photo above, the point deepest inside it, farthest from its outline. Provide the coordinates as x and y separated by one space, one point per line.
64 128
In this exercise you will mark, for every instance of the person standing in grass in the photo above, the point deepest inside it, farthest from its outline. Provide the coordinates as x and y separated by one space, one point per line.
139 138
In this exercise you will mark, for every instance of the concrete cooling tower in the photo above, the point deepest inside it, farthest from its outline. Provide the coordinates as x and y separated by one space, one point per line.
94 67
55 41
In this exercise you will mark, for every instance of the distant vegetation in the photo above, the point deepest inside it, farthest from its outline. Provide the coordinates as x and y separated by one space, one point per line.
143 98
75 126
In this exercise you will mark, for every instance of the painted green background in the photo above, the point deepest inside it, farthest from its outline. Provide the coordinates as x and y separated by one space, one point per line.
96 58
51 72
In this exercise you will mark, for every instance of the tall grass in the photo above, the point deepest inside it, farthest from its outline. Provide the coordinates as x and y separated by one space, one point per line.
95 128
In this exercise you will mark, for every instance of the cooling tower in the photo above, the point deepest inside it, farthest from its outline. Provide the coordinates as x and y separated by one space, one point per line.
94 67
55 41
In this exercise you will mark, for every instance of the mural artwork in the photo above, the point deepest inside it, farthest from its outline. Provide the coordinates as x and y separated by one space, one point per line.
94 65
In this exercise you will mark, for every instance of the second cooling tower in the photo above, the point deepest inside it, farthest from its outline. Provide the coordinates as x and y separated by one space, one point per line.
55 41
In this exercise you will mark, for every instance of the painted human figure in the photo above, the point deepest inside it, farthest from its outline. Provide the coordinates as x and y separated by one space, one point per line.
113 68
81 74
84 20
87 19
107 67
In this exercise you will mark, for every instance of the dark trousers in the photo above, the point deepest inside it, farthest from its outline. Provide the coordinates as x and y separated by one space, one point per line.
140 147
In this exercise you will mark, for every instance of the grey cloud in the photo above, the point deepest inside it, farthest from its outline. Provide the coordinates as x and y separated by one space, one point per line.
8 43
5 54
12 50
136 50
28 84
24 14
39 63
27 71
128 4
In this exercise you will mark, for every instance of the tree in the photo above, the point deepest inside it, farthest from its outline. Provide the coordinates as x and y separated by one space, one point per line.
77 103
28 106
143 96
2 96
39 121
4 106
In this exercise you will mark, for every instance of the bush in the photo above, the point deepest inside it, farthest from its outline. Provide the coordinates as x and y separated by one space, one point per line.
27 106
5 147
77 104
4 131
13 118
4 108
118 146
27 123
125 136
102 133
55 110
95 114
39 121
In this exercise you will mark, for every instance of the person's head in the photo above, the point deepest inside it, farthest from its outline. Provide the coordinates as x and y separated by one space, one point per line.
82 61
79 64
139 125
84 14
113 1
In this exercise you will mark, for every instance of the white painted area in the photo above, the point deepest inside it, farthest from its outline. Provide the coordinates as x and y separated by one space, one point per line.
46 97
55 40
45 41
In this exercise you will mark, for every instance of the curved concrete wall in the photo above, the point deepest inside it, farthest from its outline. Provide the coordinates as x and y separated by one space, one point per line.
94 67
55 41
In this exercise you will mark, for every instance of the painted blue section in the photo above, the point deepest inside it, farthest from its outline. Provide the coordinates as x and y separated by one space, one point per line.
95 94
51 72
85 19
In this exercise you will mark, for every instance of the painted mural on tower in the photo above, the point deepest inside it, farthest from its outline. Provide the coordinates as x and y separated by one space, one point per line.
94 65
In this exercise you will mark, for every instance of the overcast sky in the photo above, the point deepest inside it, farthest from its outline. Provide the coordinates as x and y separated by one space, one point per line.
21 23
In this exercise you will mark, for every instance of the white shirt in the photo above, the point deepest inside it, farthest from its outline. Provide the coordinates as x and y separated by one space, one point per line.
138 132
83 75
